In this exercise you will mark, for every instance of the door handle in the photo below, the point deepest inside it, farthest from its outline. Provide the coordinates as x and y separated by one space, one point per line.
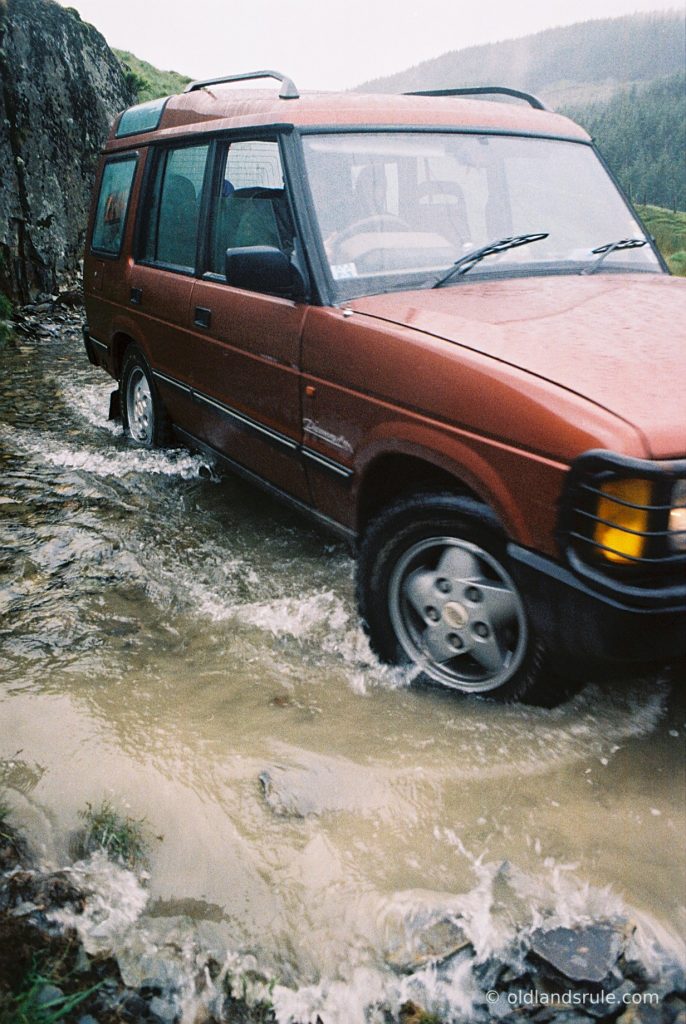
202 317
136 296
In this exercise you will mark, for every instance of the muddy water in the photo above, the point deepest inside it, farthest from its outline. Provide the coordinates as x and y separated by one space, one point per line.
174 642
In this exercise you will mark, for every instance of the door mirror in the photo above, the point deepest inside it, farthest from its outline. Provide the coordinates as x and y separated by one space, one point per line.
263 268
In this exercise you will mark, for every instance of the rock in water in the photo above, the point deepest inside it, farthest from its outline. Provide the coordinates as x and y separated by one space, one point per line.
581 954
60 88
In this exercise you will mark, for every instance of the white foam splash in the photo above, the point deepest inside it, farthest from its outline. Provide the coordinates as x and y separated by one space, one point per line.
299 617
554 897
45 448
360 993
116 899
91 403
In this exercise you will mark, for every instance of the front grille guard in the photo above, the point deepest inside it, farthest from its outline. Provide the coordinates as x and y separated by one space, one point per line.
658 564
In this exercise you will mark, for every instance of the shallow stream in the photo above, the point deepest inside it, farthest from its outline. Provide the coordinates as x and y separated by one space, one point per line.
174 642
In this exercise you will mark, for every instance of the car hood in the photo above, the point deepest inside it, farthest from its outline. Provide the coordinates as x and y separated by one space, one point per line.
617 340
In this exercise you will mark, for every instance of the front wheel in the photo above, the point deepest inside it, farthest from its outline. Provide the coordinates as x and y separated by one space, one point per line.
143 414
435 591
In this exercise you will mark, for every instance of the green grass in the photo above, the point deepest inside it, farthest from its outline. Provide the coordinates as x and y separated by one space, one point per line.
28 1006
149 82
669 230
119 836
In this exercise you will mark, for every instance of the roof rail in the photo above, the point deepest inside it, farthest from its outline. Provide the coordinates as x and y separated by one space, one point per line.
288 89
533 101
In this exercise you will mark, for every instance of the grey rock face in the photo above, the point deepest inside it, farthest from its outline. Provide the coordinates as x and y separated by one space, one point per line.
60 88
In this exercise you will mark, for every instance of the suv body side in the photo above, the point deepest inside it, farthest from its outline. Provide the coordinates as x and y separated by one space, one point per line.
342 408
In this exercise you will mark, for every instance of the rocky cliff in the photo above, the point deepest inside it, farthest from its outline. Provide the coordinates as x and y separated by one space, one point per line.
60 87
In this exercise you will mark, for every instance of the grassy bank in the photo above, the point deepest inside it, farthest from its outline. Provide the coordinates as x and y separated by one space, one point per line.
669 231
149 82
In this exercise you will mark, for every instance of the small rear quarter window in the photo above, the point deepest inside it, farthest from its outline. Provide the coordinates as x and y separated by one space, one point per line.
113 204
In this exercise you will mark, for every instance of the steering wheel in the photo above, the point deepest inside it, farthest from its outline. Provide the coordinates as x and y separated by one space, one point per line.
440 190
371 223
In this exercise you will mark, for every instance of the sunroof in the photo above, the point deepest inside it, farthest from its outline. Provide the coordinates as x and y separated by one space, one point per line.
143 118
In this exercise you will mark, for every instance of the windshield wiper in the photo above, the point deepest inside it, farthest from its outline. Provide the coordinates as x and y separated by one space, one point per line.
465 263
605 250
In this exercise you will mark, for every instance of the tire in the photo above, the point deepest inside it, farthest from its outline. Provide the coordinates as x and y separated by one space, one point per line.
144 417
434 590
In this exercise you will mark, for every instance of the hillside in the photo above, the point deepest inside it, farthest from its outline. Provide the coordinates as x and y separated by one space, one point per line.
669 231
146 81
575 64
642 135
621 78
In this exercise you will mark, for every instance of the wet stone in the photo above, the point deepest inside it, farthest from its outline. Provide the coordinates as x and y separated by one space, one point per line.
72 298
493 973
435 943
583 954
47 891
643 1013
284 799
163 1009
133 1007
48 994
565 1017
676 1005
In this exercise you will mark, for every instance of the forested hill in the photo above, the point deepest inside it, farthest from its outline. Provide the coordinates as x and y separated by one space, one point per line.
642 135
621 78
572 65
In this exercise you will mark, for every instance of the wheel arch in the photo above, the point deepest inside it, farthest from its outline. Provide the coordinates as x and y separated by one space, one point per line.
120 342
392 475
125 332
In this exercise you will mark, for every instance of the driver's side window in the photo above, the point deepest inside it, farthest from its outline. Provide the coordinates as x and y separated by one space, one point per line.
250 205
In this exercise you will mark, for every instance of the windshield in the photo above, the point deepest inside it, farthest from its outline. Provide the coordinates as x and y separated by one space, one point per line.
397 209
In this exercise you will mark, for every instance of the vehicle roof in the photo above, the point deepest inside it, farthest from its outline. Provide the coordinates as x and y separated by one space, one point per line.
223 107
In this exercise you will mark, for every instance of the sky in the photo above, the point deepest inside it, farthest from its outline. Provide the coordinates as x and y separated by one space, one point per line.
323 44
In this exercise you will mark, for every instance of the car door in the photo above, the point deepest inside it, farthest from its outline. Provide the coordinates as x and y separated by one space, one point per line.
247 341
162 278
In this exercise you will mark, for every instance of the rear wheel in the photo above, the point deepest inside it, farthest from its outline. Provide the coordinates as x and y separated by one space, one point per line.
143 414
435 591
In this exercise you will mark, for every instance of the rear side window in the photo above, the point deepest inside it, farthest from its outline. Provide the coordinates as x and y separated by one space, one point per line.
113 205
170 234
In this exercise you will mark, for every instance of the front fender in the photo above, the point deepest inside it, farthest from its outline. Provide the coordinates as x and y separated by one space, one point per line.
520 487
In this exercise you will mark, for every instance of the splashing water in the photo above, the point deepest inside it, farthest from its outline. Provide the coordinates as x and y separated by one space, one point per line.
328 833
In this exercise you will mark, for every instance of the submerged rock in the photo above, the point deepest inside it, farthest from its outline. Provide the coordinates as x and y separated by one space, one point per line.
580 954
300 792
435 943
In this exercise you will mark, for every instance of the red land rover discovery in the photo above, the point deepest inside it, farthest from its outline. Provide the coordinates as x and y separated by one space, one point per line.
431 322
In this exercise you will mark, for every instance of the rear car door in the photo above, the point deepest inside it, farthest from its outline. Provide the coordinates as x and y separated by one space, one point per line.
162 279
